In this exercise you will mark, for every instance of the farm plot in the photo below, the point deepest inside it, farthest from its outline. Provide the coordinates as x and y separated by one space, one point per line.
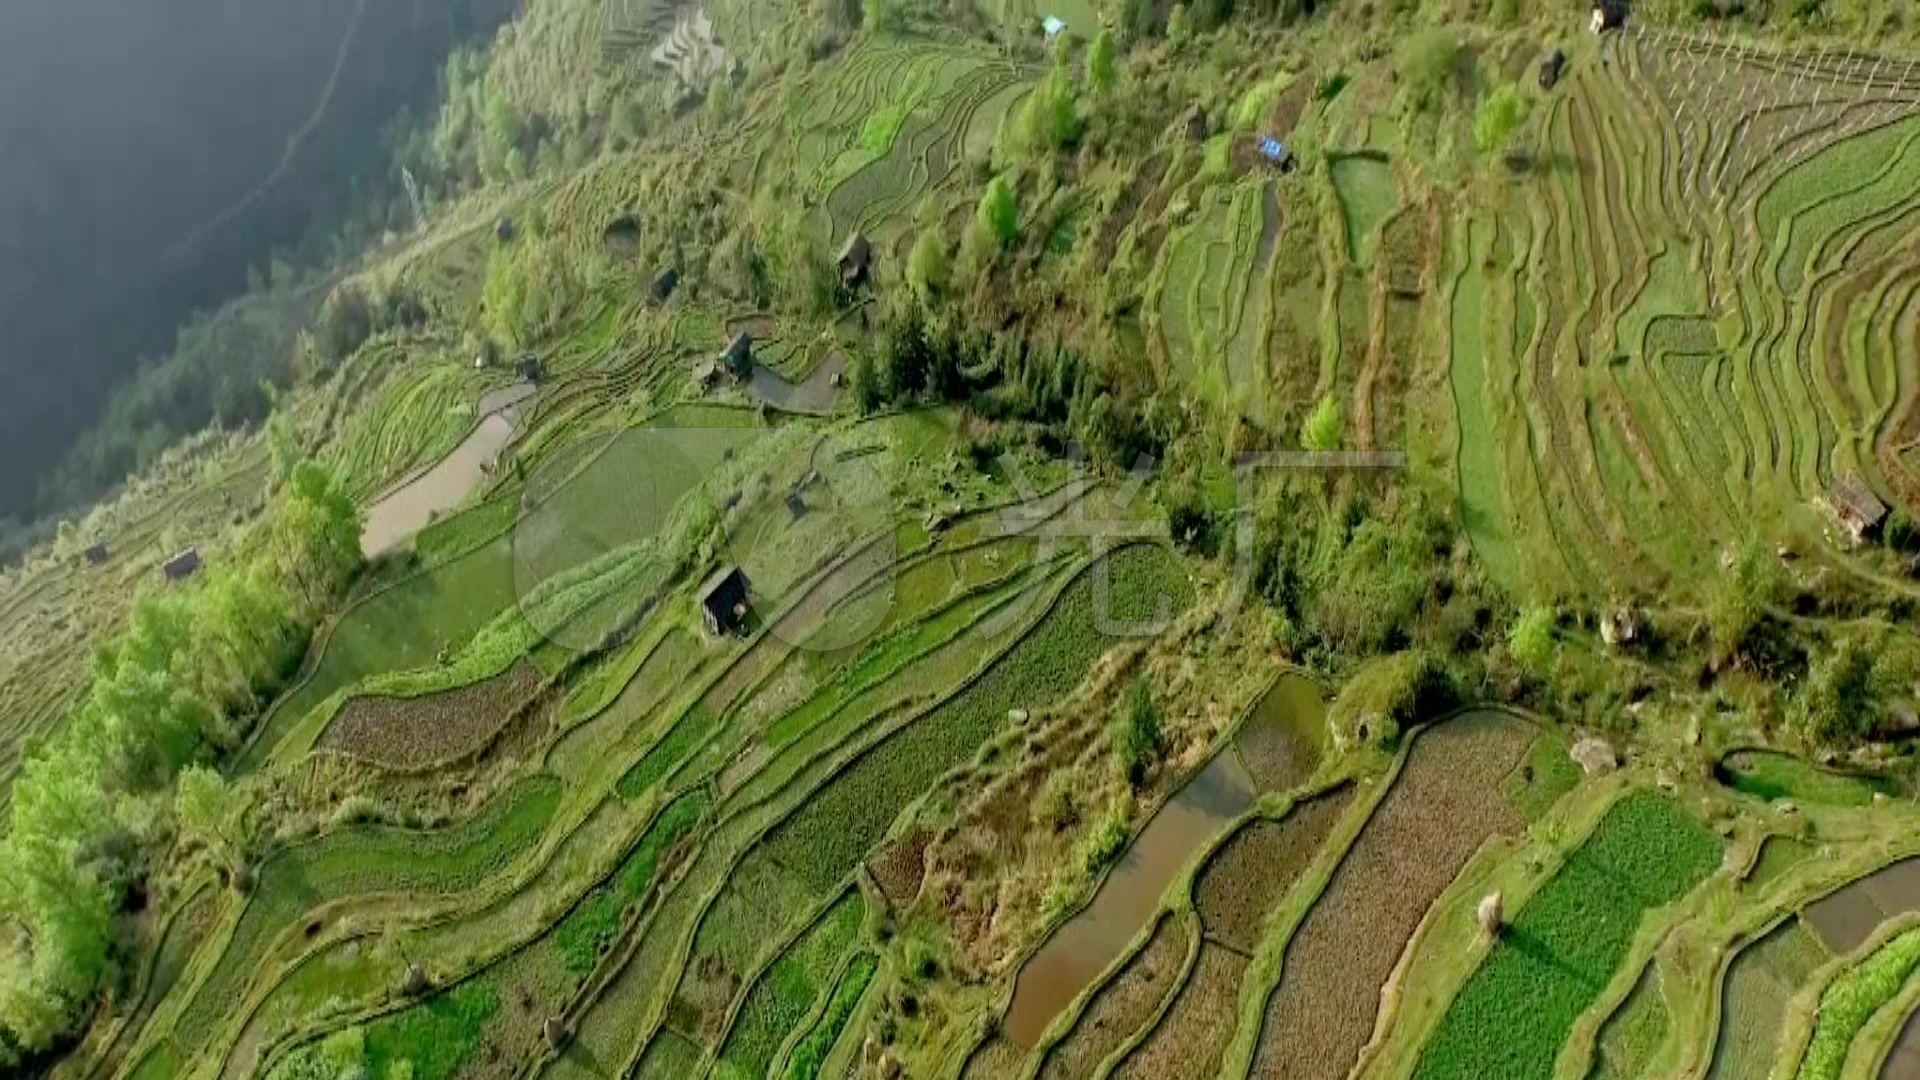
1190 1038
1753 1001
1123 1005
1364 183
1251 874
1514 1014
788 991
417 733
809 1054
1847 918
360 862
1631 1037
400 628
1851 1000
825 840
1446 801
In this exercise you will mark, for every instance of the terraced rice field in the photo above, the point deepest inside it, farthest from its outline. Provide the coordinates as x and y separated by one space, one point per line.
1445 802
1643 402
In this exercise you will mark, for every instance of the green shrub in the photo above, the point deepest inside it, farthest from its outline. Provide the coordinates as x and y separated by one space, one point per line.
999 213
1531 639
1107 841
1137 738
1388 695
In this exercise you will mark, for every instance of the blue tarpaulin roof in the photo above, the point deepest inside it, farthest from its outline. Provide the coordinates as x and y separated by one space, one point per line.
1053 25
1272 149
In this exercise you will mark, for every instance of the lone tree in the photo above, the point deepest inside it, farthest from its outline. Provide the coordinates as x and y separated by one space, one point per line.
999 213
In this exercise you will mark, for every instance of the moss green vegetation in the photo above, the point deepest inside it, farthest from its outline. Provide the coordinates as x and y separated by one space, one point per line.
586 934
1771 776
1547 773
1513 1015
787 991
1632 1035
811 1052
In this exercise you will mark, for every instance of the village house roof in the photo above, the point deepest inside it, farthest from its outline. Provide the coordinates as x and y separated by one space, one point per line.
738 357
723 600
1551 66
182 566
664 284
856 255
1855 506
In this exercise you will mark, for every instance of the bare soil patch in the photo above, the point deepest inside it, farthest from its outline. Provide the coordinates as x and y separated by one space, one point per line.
1252 872
1188 1043
420 732
1447 801
901 868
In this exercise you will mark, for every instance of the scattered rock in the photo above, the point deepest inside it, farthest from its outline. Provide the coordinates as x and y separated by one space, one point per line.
1787 807
1620 627
556 1033
1491 913
1595 756
416 982
1018 716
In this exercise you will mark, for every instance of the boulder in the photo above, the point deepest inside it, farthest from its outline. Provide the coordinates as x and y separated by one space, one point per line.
1490 914
1595 756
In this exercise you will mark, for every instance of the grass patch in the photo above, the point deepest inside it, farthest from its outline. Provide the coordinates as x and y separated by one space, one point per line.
688 732
786 993
586 934
1547 774
435 1039
811 1053
1512 1017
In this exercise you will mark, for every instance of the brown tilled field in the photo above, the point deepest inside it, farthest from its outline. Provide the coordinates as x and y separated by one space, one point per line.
1252 872
1119 1008
1445 804
1188 1043
419 732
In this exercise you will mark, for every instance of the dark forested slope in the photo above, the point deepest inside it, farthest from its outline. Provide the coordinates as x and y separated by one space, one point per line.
155 152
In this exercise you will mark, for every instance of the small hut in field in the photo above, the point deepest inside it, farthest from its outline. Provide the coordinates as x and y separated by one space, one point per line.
1551 68
182 566
1855 508
97 553
738 357
663 286
1608 15
724 601
855 260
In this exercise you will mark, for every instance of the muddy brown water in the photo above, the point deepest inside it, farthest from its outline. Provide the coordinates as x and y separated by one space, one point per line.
1903 1062
397 516
1847 918
1089 942
1285 737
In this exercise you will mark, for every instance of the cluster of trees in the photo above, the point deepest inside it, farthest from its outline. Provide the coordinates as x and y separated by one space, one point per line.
95 805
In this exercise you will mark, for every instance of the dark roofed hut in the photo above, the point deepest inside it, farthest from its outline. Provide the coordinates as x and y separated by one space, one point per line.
1858 510
1551 68
97 553
856 259
738 357
663 286
182 566
1609 15
724 601
503 230
528 368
